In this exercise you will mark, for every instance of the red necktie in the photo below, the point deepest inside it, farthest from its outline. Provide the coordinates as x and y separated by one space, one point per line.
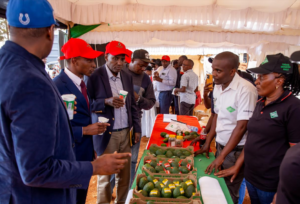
84 92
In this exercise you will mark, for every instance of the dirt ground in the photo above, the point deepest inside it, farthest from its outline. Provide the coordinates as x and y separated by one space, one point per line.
92 193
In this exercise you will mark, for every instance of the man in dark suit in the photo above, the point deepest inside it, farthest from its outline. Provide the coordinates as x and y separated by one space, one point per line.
80 61
36 141
104 86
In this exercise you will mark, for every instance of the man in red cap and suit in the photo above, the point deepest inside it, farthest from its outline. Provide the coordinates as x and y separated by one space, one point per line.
104 87
80 59
166 82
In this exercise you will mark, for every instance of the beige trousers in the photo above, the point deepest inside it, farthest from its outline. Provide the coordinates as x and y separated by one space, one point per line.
119 142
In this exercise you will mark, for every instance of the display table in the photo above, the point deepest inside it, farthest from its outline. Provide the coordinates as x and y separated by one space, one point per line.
200 162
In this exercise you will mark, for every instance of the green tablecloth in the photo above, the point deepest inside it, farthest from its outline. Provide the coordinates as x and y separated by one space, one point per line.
201 166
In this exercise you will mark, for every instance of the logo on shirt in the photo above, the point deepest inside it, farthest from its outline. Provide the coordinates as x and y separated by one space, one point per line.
274 114
230 109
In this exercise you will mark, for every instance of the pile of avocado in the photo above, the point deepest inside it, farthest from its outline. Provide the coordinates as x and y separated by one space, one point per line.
169 153
169 166
164 188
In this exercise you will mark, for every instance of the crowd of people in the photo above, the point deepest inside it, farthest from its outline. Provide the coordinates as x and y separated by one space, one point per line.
48 158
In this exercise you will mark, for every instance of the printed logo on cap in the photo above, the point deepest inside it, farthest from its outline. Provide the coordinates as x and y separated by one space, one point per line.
27 21
285 67
265 61
119 45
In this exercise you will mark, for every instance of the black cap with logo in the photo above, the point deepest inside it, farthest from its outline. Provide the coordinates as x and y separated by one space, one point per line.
274 63
142 55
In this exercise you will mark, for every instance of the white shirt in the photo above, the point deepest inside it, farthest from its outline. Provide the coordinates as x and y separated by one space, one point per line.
190 80
236 102
168 76
76 80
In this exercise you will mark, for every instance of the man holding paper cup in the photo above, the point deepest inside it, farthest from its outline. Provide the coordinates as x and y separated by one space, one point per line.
38 163
80 61
112 95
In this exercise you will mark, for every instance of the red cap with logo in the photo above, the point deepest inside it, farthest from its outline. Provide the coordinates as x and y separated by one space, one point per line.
118 48
166 57
76 47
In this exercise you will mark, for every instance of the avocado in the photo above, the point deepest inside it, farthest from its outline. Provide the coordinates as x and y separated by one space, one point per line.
182 197
184 163
144 193
154 193
186 132
178 191
169 154
179 153
159 185
165 181
175 170
159 152
163 134
166 140
183 185
163 145
189 191
150 178
148 187
177 159
152 149
169 168
189 182
153 163
150 202
142 182
147 166
174 164
177 182
182 157
185 170
159 168
166 193
151 169
186 153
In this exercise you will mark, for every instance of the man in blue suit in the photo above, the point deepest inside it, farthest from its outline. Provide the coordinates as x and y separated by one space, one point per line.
80 61
36 141
104 86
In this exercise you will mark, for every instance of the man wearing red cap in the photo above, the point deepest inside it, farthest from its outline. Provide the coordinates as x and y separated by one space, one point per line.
80 59
105 86
167 81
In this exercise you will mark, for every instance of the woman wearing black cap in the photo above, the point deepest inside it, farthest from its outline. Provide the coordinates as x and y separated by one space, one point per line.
273 128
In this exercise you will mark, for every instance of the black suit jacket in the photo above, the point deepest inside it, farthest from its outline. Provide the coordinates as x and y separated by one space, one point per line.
99 90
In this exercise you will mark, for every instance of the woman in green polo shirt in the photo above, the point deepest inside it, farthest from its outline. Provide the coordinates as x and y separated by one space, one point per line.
273 128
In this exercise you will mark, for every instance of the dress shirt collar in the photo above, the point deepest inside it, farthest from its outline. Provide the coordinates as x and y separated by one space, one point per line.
77 80
110 74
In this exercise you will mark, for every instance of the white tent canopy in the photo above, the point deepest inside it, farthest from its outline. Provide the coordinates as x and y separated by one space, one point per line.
192 26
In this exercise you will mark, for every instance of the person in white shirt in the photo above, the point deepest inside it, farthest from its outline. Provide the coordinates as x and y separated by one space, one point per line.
166 82
234 102
188 87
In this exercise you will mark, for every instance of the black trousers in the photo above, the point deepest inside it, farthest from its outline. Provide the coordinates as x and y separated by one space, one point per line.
230 161
186 109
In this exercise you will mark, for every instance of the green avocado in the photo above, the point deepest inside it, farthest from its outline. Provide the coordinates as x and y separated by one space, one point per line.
154 193
152 149
163 145
174 164
144 193
166 140
189 191
159 168
159 185
169 154
175 170
186 153
182 157
186 132
183 185
159 152
178 191
153 163
142 182
163 134
179 153
184 163
148 187
184 170
166 192
150 178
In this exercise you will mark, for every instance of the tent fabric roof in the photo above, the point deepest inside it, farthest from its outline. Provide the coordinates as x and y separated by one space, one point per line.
231 15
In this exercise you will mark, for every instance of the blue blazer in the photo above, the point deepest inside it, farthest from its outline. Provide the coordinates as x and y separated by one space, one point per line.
99 89
84 149
36 144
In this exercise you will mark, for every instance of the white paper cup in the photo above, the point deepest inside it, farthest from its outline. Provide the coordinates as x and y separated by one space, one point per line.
102 120
123 95
69 101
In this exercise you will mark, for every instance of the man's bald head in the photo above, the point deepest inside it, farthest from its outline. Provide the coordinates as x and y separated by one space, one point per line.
233 59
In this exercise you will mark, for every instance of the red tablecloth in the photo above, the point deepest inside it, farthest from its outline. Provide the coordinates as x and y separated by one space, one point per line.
159 126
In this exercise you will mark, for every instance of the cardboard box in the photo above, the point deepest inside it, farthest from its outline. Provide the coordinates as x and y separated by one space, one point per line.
189 159
170 177
188 148
144 201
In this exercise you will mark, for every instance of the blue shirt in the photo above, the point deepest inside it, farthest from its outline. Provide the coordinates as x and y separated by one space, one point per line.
120 113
